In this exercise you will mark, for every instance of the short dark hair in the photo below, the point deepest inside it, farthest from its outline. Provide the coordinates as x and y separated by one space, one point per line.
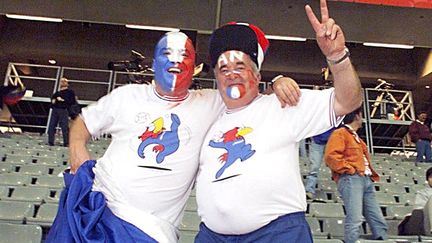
422 112
350 116
428 173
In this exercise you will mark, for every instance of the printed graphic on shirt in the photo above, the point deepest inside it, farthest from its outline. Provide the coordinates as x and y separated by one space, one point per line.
234 143
165 142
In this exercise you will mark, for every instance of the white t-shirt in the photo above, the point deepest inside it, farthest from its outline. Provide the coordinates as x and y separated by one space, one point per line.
249 169
148 170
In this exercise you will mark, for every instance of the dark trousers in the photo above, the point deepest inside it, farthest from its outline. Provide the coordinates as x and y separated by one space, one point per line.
61 117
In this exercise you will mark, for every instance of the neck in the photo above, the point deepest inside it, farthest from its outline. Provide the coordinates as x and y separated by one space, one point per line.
171 96
354 126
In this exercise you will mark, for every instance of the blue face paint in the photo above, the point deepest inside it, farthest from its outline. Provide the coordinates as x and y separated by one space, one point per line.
161 65
235 91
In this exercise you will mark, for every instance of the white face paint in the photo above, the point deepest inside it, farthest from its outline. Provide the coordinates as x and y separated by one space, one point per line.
230 56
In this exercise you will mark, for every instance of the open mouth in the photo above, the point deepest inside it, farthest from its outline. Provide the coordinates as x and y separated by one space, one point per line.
174 70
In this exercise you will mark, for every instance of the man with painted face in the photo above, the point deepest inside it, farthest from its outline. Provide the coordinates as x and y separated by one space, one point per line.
137 191
249 186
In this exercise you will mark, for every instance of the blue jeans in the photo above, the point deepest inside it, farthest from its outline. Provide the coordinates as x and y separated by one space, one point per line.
358 195
288 228
302 148
316 154
61 117
423 148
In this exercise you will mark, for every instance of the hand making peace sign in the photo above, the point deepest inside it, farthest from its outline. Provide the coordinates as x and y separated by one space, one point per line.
329 35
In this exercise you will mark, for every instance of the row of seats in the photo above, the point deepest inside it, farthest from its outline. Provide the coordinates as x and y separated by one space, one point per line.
27 212
30 194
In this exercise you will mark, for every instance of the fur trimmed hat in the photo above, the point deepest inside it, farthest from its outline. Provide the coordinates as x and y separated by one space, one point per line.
242 37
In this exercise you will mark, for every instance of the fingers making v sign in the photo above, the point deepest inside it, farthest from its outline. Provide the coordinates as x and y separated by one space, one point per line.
329 35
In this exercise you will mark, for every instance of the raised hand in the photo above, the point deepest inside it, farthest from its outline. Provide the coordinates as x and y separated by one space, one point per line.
329 35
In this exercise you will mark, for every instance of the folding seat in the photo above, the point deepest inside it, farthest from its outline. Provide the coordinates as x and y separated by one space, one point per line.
374 241
187 236
402 180
398 211
29 194
326 210
319 240
334 226
416 187
45 215
50 161
191 204
53 195
327 185
14 212
6 168
407 199
391 188
190 221
315 227
49 181
18 159
14 179
20 233
33 169
57 170
385 198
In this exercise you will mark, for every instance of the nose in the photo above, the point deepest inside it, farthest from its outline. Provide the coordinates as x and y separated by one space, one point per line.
175 57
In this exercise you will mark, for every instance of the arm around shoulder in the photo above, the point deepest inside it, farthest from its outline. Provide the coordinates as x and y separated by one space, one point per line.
78 138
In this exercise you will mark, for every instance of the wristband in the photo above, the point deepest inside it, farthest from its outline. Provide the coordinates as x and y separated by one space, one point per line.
347 54
274 80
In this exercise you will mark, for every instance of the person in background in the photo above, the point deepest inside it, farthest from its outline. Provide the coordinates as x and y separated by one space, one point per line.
421 135
316 155
422 196
61 101
347 156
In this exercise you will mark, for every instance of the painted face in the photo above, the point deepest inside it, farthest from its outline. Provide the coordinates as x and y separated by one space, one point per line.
174 62
237 79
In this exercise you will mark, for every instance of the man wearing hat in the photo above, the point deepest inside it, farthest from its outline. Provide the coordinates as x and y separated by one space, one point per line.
249 187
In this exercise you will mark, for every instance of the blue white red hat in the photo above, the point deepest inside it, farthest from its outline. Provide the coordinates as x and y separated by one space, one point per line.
243 37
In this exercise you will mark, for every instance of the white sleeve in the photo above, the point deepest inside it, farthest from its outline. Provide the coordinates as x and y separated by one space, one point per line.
315 113
100 116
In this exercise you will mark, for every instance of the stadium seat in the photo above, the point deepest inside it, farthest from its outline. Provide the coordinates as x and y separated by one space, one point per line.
187 236
45 215
315 226
398 211
390 188
385 198
29 194
14 179
15 212
6 168
325 210
190 222
49 181
319 240
54 196
32 169
334 226
407 199
18 159
191 204
20 233
375 241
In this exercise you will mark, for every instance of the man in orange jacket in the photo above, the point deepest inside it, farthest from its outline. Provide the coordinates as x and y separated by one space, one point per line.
347 156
